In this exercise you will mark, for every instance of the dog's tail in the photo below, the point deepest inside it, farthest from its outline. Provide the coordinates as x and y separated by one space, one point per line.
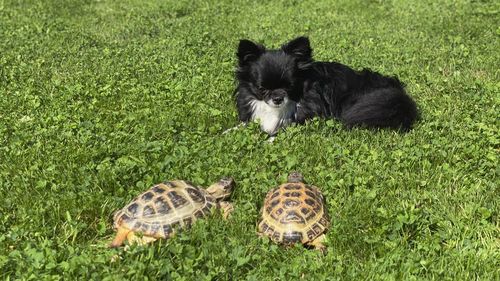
381 108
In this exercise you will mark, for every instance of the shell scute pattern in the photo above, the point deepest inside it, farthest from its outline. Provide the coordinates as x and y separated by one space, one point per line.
187 221
167 230
311 234
275 194
147 196
133 208
293 186
276 236
199 214
158 189
162 205
148 210
278 212
176 199
294 212
293 236
195 194
164 208
155 227
292 217
291 203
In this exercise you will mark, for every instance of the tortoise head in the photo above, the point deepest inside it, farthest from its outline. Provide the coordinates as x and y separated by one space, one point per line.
295 177
222 189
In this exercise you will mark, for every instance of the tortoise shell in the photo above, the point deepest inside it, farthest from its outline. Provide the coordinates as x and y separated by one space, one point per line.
164 207
294 212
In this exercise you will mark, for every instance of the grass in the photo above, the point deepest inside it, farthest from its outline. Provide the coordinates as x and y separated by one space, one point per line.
101 99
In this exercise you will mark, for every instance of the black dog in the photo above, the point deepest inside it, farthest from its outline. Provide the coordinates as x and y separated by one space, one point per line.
279 87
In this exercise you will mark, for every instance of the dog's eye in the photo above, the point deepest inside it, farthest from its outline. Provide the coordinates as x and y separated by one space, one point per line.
263 91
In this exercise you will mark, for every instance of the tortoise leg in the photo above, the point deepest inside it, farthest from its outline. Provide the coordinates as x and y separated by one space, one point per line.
147 239
227 209
318 243
121 234
134 239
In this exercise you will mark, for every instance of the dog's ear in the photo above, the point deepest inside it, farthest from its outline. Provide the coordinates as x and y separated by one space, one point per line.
299 48
248 51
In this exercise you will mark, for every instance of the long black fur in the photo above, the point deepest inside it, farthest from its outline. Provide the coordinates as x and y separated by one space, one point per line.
326 89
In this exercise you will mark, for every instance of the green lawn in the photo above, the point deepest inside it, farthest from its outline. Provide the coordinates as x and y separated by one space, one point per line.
101 99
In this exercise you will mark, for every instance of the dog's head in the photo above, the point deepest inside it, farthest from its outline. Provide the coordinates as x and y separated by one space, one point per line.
273 75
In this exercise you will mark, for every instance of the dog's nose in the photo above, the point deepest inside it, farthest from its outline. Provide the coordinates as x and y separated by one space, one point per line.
277 100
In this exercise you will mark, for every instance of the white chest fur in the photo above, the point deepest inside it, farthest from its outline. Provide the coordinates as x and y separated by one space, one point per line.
270 118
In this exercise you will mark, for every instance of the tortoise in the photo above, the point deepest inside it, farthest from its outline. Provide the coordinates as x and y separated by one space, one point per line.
166 207
295 212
